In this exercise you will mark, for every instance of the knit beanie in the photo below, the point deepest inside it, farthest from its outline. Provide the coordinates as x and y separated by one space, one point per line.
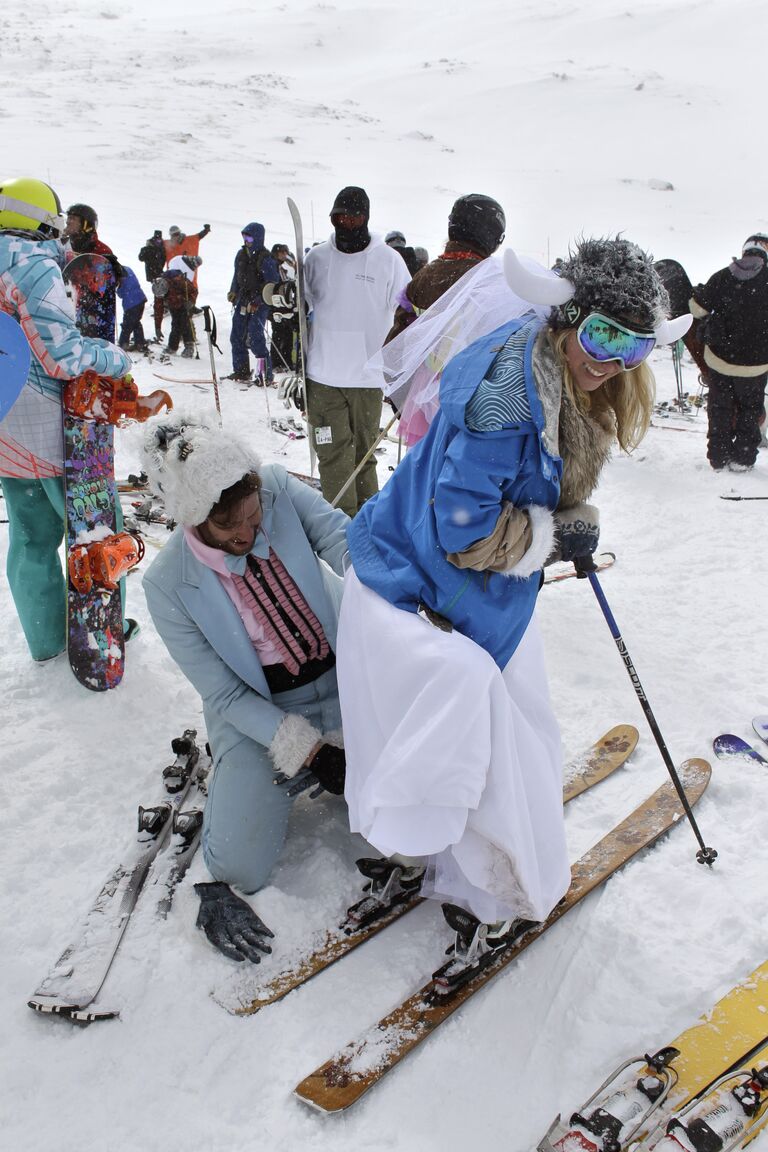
616 277
352 200
190 460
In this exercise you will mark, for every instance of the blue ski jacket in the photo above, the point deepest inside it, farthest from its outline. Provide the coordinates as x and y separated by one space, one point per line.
447 494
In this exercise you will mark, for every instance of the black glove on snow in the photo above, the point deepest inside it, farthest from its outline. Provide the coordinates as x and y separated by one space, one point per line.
230 924
329 766
578 531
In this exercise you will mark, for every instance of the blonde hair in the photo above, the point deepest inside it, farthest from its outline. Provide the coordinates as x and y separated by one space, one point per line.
627 397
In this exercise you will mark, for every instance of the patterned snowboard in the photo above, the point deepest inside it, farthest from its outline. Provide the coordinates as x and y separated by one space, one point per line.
95 642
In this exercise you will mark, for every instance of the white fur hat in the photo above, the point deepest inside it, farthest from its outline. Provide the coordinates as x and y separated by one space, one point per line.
190 460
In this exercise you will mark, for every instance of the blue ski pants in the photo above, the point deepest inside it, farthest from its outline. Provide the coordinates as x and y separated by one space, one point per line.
248 333
246 815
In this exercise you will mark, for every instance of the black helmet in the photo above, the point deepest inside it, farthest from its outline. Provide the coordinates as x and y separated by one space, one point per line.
479 220
87 215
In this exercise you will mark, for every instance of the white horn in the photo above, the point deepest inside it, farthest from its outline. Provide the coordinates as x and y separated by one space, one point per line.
669 331
534 287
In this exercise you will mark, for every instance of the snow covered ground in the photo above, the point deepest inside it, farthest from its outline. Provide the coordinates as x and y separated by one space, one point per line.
575 116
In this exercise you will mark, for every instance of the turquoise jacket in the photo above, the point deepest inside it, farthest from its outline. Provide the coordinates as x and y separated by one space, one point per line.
32 290
448 491
201 627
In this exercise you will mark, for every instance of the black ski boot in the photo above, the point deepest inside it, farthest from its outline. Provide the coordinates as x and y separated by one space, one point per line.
390 884
475 946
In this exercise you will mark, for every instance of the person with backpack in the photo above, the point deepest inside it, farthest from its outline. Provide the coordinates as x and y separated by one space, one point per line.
178 290
255 266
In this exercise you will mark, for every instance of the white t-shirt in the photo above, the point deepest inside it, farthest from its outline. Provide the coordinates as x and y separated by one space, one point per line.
178 265
352 296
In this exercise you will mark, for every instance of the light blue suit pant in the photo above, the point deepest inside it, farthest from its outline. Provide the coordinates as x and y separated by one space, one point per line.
246 816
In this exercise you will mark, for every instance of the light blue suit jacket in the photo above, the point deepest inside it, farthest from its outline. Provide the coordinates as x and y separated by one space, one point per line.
202 629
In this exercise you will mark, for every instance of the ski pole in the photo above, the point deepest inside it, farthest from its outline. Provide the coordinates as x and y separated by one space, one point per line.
585 568
364 460
210 330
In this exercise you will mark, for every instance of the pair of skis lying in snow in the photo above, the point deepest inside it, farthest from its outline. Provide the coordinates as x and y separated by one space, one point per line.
74 983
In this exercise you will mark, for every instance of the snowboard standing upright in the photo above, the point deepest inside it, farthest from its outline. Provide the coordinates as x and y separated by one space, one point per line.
98 553
95 642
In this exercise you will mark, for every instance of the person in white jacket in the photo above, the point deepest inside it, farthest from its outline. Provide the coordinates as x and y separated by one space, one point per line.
353 284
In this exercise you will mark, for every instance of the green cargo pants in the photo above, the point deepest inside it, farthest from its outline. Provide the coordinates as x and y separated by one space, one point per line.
345 423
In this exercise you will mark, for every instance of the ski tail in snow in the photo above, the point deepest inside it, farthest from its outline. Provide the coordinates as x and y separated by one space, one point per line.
730 747
75 980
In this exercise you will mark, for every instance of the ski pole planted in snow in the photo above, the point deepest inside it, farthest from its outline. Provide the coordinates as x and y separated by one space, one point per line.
210 331
585 568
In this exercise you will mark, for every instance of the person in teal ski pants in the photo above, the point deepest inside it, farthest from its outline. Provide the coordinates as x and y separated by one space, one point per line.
31 435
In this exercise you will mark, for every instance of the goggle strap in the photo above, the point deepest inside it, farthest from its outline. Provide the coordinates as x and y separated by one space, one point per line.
10 204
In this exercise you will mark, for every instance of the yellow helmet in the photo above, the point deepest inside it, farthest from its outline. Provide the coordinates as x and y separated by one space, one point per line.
32 206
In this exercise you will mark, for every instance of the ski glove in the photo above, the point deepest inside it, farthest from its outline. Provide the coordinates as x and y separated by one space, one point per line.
230 924
329 766
578 531
291 391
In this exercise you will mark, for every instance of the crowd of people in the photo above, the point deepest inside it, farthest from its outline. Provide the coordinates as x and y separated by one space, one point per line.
382 644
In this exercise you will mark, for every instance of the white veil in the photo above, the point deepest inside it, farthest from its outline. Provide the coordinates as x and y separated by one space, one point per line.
413 362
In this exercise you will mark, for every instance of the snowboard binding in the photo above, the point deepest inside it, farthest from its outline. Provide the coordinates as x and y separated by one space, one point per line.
104 562
94 397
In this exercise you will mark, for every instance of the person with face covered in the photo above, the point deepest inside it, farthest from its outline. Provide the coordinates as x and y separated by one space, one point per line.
255 266
245 596
352 284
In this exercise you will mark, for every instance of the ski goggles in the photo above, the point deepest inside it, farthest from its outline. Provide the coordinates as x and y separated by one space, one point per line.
247 239
605 339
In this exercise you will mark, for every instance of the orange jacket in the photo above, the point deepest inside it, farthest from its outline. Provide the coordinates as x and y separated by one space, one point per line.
189 246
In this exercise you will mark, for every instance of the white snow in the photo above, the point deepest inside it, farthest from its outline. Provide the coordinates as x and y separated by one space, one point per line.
579 117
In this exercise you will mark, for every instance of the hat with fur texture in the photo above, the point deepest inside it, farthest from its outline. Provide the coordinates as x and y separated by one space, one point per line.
190 461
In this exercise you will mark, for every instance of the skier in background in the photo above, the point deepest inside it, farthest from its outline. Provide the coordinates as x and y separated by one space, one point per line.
734 307
476 228
255 266
133 299
179 244
96 292
352 285
454 766
397 241
31 435
179 293
284 324
152 256
245 597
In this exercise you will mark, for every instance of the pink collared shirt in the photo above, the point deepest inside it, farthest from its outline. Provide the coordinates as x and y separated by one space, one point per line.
215 559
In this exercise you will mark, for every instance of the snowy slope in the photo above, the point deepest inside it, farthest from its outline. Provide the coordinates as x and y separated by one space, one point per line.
575 115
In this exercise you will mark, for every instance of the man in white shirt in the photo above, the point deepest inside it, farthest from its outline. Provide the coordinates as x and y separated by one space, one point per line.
353 283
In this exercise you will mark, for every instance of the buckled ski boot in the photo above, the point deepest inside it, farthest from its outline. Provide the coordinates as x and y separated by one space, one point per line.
475 946
390 883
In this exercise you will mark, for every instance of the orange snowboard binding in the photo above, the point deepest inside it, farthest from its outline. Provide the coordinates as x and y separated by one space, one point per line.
94 397
104 561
